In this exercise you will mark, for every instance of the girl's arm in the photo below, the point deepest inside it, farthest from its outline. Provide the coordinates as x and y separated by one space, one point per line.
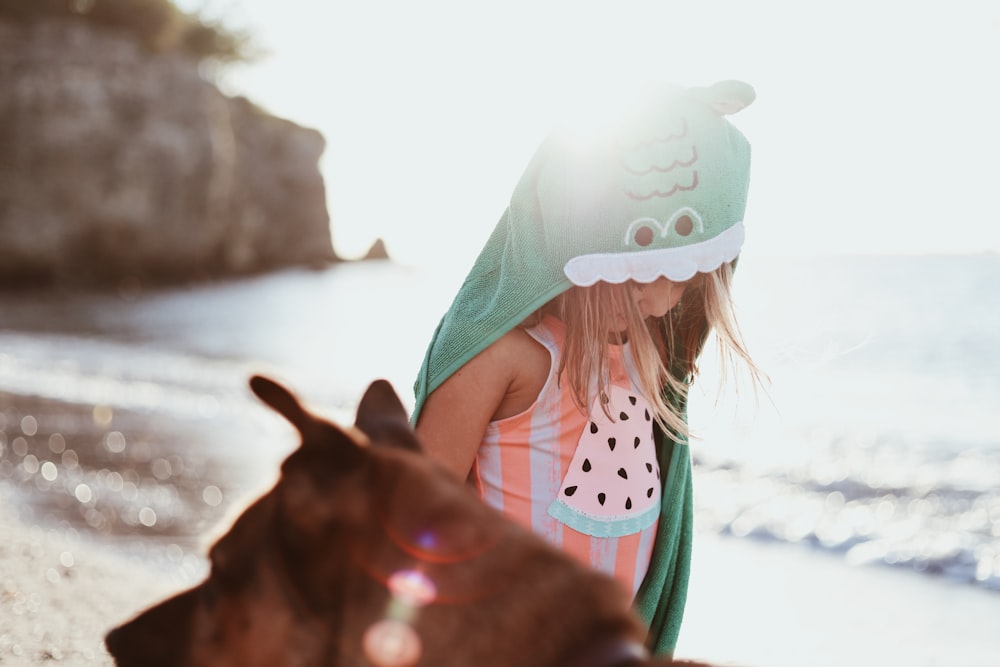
501 381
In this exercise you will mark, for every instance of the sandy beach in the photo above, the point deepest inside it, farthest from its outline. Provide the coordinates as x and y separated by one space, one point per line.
104 511
67 576
59 595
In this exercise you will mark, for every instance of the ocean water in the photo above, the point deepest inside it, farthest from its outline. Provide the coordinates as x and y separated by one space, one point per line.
876 438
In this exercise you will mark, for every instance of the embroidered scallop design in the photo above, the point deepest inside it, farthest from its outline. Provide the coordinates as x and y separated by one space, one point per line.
661 166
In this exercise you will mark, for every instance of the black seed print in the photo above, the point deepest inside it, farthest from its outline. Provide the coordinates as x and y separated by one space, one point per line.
611 443
623 417
635 444
570 490
601 498
593 427
586 465
622 473
649 494
649 467
647 415
628 503
631 399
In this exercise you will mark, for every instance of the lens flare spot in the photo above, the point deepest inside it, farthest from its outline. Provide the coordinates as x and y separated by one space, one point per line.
412 588
389 643
427 540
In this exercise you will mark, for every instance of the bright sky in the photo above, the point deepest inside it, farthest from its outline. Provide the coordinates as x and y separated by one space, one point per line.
874 131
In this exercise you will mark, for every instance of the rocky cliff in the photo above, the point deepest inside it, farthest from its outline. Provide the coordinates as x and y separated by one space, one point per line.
120 165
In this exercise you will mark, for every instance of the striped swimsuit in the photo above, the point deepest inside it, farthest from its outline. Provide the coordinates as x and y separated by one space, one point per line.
586 483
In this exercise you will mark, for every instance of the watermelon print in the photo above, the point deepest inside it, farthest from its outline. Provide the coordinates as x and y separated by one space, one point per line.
610 489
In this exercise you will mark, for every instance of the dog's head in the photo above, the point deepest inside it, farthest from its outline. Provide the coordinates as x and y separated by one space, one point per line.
366 552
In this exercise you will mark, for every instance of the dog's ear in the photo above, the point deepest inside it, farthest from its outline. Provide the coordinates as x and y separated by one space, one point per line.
313 429
380 402
283 402
382 417
327 450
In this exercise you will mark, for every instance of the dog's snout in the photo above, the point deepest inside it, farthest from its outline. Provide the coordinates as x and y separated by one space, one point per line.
114 641
158 637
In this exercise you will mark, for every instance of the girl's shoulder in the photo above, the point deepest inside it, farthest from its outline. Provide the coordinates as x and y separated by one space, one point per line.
521 353
525 363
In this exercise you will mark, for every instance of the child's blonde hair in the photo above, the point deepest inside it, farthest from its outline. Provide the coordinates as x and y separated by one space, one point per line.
664 349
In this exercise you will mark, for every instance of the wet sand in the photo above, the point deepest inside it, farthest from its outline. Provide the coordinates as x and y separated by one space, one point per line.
104 511
59 594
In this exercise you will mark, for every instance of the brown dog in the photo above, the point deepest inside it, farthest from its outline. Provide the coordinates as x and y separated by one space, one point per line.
366 553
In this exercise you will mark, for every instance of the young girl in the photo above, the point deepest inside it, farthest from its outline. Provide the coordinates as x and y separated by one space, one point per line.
557 380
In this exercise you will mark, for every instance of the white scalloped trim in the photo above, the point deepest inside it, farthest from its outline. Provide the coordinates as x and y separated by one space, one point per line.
677 264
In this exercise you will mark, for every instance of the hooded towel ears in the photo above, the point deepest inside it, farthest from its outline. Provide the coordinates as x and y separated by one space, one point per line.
726 97
662 196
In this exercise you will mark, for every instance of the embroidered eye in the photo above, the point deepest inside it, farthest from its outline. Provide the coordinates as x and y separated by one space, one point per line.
643 236
684 225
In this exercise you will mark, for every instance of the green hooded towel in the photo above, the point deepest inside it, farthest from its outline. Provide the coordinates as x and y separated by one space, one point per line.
659 192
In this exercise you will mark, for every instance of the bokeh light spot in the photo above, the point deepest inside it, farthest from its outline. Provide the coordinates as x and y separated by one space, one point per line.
212 495
115 442
161 469
19 446
29 425
83 493
50 471
69 459
103 415
147 517
114 481
57 443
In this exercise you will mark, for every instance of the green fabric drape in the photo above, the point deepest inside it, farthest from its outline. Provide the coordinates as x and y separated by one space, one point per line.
661 597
